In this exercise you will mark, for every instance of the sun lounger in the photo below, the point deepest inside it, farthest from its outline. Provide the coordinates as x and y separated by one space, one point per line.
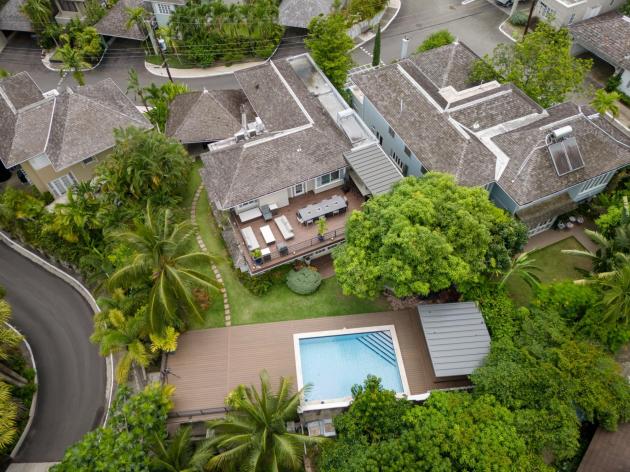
284 226
250 238
267 234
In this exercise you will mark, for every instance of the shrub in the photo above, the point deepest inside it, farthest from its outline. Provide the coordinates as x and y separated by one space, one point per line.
436 40
625 9
258 285
519 18
359 10
613 83
304 281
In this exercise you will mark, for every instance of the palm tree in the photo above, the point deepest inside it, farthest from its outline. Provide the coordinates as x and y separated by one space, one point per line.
39 12
164 260
607 252
523 266
616 294
604 102
139 16
133 85
253 435
170 38
178 454
8 416
73 60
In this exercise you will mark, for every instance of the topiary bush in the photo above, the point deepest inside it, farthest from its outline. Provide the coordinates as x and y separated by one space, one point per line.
519 18
304 281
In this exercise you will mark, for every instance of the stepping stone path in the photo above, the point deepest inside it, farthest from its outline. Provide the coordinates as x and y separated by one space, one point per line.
193 213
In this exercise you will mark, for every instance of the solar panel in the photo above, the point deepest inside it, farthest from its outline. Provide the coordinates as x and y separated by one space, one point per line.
566 156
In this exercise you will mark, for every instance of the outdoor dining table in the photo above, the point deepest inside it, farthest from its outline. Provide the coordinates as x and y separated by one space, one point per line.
323 208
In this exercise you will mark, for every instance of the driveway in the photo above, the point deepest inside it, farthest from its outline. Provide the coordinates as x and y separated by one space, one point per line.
476 24
57 322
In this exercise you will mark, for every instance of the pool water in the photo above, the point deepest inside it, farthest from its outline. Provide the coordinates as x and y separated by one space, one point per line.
333 364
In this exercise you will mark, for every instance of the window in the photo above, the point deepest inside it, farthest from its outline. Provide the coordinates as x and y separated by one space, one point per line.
299 189
397 160
407 152
546 11
380 138
391 132
251 203
329 178
163 8
67 5
39 162
88 161
596 182
60 186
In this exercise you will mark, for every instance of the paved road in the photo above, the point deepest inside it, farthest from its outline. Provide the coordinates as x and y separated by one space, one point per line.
476 24
57 322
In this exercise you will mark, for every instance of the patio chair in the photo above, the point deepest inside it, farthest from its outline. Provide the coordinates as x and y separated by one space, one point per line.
266 213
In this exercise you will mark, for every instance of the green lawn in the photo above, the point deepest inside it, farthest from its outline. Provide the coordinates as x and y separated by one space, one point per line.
554 266
279 303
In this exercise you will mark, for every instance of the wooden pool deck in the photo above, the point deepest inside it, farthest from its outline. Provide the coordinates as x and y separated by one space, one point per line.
210 363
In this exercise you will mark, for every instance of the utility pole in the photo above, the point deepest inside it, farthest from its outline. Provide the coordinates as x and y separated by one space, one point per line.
529 18
162 48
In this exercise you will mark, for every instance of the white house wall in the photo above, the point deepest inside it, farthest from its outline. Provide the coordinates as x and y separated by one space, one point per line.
624 86
280 198
566 12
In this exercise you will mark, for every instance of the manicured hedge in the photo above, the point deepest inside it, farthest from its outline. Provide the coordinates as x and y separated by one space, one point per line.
304 282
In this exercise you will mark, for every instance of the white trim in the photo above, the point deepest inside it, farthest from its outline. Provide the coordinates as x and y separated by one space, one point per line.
345 401
297 100
418 87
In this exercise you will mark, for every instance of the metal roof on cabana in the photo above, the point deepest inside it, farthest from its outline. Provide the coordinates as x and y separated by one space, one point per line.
456 336
377 171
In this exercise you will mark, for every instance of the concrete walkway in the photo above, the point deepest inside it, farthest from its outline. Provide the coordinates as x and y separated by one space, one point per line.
552 236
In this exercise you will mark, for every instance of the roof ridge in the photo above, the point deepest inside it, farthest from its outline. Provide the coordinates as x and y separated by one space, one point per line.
91 99
234 174
199 94
449 65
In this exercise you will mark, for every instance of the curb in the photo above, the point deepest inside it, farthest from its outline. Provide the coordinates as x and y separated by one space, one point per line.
505 33
33 409
47 65
84 292
382 29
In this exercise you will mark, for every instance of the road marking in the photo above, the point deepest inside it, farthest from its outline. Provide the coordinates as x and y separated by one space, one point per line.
466 2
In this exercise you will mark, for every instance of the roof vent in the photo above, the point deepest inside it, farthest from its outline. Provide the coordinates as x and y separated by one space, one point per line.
564 151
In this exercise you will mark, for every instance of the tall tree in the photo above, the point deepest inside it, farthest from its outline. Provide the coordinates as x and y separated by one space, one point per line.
329 44
165 262
253 434
606 102
425 236
541 65
524 267
73 60
376 52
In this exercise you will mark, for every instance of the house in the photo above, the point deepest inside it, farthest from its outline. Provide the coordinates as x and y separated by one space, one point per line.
290 164
536 163
162 9
567 12
58 138
68 10
608 37
114 23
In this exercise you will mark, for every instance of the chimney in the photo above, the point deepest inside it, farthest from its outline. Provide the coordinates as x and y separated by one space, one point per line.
243 118
404 48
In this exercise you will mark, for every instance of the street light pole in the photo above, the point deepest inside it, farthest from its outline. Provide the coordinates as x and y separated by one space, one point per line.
529 18
162 48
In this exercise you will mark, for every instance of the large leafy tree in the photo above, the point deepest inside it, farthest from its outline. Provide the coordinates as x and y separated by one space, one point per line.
144 166
125 443
541 65
253 435
424 236
552 381
330 45
165 262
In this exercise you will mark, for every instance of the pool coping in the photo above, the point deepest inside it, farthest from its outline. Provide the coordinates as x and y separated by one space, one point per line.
345 401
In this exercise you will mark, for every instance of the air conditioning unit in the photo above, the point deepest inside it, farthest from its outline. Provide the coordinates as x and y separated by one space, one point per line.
240 136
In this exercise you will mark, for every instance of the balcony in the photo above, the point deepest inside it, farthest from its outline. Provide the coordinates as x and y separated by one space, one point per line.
305 240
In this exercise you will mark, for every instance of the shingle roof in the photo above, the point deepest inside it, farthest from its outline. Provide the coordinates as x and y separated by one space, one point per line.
457 337
68 128
427 131
530 173
283 155
12 18
114 22
447 65
205 116
298 13
606 35
20 89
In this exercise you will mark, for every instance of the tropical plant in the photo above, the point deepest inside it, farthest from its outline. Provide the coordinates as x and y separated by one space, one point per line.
606 102
8 416
39 12
77 220
136 16
524 267
608 249
160 98
178 454
73 60
425 236
253 435
165 263
616 295
20 212
541 65
9 339
133 85
4 73
125 442
625 8
329 44
359 10
436 40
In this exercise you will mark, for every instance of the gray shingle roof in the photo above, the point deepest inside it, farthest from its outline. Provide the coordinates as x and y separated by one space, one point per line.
243 172
374 168
298 13
21 90
427 131
12 18
447 65
541 212
606 35
530 173
114 22
205 116
68 128
457 337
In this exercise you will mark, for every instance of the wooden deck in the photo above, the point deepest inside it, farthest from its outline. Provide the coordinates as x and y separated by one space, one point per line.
305 240
210 363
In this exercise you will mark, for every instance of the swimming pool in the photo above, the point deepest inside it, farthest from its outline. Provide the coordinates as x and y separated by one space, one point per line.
333 361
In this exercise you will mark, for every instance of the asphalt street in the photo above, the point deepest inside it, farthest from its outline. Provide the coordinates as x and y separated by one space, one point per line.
57 322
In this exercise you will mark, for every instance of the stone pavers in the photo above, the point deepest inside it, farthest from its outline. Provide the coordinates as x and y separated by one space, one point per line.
217 274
